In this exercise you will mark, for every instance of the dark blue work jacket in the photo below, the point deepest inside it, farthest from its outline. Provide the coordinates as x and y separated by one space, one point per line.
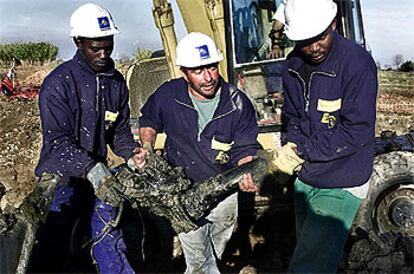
81 112
333 124
228 137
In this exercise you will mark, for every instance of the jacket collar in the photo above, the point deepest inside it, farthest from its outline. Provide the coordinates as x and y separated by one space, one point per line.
225 105
80 60
330 65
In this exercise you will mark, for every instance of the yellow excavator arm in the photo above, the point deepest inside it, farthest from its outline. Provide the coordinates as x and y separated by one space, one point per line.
206 16
164 20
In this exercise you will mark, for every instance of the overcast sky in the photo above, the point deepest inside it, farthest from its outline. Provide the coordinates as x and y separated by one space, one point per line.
389 25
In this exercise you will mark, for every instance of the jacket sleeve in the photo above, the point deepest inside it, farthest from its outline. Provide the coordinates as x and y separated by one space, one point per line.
65 156
246 131
291 121
123 142
357 126
151 112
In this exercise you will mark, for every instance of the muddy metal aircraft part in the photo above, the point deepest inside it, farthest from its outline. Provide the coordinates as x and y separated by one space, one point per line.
167 192
18 226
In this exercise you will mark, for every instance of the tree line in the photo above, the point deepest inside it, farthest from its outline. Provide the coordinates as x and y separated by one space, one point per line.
398 64
406 66
28 52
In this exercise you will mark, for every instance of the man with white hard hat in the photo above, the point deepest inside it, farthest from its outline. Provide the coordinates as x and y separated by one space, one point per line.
211 127
329 114
84 108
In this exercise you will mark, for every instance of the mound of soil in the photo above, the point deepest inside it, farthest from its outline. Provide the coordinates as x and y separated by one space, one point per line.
19 147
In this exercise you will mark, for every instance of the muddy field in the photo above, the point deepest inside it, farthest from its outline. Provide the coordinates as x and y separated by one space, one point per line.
20 141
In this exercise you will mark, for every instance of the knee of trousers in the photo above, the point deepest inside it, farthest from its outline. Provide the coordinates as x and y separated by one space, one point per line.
225 213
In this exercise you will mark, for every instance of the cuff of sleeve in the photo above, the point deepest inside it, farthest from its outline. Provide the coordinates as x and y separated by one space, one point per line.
132 153
146 123
280 13
302 152
131 163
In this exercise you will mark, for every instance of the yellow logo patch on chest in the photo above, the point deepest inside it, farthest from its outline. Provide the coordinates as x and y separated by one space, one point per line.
328 119
222 157
111 116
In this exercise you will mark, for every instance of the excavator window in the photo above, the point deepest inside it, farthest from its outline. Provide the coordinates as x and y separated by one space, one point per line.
247 27
251 22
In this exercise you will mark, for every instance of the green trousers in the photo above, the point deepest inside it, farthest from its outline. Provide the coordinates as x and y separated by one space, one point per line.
323 220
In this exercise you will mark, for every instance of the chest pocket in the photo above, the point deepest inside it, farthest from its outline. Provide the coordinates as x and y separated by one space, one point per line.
329 108
223 155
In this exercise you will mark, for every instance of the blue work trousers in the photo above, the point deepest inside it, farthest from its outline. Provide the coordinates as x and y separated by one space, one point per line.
109 249
76 215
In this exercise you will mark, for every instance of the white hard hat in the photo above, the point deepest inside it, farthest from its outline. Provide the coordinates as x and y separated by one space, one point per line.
92 21
305 19
197 49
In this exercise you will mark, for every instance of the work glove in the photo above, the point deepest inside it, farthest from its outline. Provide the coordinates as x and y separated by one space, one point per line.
286 160
105 185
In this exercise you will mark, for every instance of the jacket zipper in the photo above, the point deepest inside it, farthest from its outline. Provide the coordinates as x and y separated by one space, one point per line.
98 83
306 98
310 81
97 94
193 108
306 92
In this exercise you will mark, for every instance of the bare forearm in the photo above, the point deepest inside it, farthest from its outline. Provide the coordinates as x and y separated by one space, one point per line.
147 135
247 184
275 36
244 160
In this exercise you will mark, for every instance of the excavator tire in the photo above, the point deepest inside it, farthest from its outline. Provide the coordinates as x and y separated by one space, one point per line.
387 213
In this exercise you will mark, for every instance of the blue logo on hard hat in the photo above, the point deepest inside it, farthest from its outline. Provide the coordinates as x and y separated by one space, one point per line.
203 51
104 23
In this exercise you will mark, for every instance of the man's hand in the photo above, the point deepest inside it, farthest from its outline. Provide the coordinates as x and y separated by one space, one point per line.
286 160
247 184
276 52
275 36
139 156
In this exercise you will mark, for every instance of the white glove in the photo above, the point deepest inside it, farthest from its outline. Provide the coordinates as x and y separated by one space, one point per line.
104 184
286 160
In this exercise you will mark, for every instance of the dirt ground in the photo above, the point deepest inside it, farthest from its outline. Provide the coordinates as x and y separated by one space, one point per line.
20 141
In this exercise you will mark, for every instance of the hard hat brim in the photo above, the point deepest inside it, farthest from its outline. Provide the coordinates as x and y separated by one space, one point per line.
302 36
187 64
94 35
